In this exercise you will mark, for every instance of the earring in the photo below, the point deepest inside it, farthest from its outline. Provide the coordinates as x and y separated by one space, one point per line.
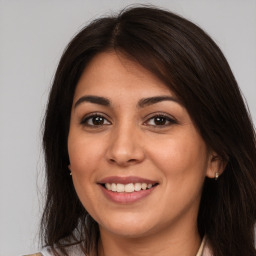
216 175
70 174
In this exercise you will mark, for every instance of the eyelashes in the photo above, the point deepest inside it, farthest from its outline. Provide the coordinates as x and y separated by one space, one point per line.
95 120
160 120
155 120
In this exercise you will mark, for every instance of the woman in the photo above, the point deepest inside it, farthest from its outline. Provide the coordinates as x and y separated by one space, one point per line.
146 116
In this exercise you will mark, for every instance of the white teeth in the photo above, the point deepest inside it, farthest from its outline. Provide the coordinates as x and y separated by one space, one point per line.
128 188
113 187
144 186
108 186
137 187
119 187
149 185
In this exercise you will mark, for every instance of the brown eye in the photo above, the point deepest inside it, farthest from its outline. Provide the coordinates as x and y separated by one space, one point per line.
98 120
160 120
95 120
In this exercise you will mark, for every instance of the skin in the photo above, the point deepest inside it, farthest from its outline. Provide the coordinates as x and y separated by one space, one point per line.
130 142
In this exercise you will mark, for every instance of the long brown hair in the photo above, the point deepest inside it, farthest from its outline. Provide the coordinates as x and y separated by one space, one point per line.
188 61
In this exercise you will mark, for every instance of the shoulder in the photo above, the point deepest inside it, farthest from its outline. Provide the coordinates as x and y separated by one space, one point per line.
206 250
34 254
45 252
73 250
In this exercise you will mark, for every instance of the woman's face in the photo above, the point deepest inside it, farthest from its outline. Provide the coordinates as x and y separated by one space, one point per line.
138 163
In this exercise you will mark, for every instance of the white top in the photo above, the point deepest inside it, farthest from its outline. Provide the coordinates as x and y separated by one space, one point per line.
75 250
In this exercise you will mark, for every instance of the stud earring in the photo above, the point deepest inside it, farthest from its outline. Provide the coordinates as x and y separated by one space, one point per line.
70 174
216 175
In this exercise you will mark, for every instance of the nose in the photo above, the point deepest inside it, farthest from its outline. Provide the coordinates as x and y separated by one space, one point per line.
125 147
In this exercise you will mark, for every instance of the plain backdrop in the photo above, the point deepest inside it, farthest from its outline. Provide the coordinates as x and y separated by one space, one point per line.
33 35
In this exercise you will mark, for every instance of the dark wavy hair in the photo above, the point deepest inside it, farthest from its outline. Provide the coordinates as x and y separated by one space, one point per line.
188 61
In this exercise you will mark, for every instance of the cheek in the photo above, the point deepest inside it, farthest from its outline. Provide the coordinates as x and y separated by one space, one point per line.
183 158
183 164
84 155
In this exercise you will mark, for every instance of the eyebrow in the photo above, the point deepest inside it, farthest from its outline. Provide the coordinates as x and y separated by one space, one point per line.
141 104
93 99
153 100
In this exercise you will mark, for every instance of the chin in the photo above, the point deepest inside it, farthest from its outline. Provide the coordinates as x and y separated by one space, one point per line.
130 231
128 227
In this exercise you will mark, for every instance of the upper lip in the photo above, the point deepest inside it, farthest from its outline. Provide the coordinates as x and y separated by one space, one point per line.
126 180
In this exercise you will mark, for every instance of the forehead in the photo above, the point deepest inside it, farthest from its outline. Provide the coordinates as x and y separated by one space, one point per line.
112 72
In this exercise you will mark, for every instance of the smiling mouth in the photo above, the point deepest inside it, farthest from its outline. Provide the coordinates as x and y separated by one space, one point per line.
128 188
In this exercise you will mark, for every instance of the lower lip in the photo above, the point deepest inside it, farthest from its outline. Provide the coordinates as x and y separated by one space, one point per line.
125 198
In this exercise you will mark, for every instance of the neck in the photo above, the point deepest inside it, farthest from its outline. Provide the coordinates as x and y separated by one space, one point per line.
164 243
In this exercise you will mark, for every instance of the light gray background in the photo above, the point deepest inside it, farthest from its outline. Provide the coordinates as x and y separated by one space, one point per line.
33 35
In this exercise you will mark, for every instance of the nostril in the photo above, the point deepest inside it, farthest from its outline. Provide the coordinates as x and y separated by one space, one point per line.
132 160
123 161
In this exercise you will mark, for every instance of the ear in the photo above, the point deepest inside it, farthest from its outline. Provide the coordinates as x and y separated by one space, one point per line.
216 166
69 167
